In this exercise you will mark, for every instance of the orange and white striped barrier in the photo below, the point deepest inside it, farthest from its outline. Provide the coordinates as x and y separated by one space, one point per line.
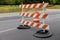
36 20
44 32
33 24
34 15
40 5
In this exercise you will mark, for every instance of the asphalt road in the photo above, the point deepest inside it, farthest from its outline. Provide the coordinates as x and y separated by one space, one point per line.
9 31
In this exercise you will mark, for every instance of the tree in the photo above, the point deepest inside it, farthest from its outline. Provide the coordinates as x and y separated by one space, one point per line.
58 2
2 1
9 1
53 1
19 1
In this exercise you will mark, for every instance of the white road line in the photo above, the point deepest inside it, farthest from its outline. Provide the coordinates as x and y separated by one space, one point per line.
7 30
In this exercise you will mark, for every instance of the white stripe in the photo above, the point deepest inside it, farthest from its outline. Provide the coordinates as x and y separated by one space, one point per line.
35 15
21 21
22 14
47 27
29 14
19 6
29 23
27 6
32 6
41 15
38 5
34 25
36 19
25 14
45 4
41 25
25 22
23 6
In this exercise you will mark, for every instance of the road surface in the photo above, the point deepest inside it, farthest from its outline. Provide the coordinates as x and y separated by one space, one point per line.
9 31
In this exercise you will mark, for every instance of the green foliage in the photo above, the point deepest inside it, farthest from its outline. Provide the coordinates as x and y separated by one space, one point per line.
7 1
18 1
28 1
10 1
58 1
2 2
53 1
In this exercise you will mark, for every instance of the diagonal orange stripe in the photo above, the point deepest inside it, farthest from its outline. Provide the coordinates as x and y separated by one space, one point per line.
37 16
23 22
44 26
38 24
23 14
27 14
41 5
45 15
34 5
32 24
27 22
24 6
29 5
32 15
47 6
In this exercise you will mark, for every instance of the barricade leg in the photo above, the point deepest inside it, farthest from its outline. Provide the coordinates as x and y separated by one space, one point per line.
23 27
43 34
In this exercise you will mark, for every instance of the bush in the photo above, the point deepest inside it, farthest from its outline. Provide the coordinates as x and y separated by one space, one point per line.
11 2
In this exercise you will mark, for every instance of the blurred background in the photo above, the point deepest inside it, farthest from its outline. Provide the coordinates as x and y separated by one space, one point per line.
13 5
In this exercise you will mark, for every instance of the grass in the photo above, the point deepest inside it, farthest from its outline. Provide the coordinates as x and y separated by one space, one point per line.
15 8
9 8
54 7
12 8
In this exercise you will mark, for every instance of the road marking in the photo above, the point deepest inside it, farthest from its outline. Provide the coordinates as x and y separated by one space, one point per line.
7 30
